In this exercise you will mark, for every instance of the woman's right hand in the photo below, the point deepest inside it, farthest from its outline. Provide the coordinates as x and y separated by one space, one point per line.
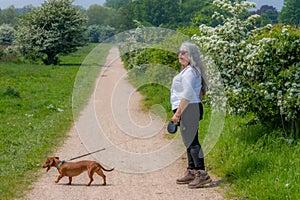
175 118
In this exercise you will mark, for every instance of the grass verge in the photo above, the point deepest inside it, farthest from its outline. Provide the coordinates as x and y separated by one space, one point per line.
35 113
254 162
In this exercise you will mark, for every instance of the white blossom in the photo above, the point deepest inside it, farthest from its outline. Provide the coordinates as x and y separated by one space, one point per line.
245 63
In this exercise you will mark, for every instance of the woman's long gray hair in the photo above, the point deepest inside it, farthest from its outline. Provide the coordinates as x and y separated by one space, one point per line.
196 63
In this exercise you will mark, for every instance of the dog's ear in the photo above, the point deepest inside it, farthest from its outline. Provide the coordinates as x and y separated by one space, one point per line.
52 161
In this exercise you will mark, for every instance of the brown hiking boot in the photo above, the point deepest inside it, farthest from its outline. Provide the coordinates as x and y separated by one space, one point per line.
187 178
201 178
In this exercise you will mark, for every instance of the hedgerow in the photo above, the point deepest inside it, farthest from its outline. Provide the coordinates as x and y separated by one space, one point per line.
260 68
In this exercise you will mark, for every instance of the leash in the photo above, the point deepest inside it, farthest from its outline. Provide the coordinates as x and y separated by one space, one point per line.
129 140
99 150
87 154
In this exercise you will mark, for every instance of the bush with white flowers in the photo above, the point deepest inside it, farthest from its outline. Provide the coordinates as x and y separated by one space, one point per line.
260 68
6 34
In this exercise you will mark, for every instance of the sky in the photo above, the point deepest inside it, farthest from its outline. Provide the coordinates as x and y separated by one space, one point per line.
86 3
21 3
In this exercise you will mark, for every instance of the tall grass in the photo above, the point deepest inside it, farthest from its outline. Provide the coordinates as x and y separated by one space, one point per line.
35 114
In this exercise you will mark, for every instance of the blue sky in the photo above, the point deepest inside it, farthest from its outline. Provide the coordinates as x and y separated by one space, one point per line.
276 3
22 3
86 3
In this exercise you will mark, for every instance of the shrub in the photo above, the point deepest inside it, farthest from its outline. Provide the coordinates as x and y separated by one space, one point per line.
260 68
97 33
7 53
7 33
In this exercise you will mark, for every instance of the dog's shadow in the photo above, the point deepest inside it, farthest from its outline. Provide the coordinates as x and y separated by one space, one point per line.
83 185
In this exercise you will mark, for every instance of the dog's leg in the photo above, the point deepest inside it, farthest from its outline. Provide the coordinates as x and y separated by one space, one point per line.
58 178
90 174
91 180
70 180
100 173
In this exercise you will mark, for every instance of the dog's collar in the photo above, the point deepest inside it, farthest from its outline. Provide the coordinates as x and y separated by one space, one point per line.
60 164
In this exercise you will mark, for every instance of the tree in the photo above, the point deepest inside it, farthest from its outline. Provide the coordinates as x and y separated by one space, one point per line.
152 12
203 14
55 28
268 15
290 13
126 17
97 33
116 4
103 16
9 15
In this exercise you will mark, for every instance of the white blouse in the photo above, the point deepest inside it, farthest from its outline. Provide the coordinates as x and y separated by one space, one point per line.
187 84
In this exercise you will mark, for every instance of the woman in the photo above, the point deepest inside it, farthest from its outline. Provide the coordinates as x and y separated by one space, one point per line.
187 91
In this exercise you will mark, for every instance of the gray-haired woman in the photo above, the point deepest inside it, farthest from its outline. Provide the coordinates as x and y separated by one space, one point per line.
187 91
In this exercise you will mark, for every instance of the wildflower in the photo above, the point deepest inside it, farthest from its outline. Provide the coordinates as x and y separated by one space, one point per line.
286 185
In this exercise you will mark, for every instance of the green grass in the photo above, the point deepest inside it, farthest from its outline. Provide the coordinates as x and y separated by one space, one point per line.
254 162
35 114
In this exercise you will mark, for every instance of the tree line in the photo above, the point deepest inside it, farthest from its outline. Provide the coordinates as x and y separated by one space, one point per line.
120 14
97 23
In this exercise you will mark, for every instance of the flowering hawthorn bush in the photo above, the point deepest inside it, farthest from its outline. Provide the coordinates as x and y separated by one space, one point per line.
260 68
6 34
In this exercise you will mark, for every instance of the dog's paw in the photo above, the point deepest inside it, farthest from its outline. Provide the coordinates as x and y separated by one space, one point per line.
48 168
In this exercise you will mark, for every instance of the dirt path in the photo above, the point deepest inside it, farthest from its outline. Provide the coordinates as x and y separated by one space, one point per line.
123 182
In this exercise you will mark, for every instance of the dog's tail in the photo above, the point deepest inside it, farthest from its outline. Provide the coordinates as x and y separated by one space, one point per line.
107 170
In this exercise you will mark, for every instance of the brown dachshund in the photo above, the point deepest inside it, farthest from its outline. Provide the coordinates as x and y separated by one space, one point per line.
71 169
